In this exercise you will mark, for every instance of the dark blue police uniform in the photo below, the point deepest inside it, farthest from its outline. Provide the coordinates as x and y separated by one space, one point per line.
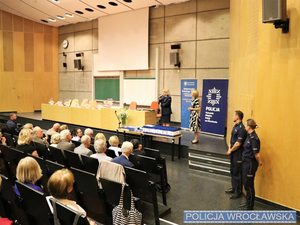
250 165
238 134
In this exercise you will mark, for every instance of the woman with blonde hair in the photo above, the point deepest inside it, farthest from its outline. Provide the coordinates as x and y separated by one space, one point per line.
28 173
195 124
165 101
100 136
25 143
55 139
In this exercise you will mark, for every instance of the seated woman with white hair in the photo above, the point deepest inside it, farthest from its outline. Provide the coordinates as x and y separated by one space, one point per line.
127 149
65 141
100 148
55 139
114 144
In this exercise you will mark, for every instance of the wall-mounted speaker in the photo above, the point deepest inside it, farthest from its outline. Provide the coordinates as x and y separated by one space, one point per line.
273 10
176 46
80 54
64 65
77 64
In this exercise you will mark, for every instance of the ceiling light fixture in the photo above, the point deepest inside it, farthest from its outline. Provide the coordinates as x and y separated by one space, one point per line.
89 9
52 19
56 1
128 1
60 17
45 21
113 3
69 15
101 6
79 12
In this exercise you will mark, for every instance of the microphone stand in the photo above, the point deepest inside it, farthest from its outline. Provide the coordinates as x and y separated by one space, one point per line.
118 119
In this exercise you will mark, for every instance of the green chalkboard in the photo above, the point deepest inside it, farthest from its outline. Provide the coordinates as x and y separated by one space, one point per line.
107 88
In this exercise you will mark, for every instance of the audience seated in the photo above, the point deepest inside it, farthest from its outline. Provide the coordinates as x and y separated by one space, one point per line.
65 141
127 149
63 127
28 173
60 185
100 148
55 139
25 143
28 126
11 124
38 136
89 132
83 149
77 134
137 147
2 139
53 130
114 144
100 136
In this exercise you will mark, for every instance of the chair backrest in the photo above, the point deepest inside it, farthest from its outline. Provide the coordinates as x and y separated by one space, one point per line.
153 153
140 184
111 153
90 164
148 164
53 166
42 150
66 215
57 155
133 106
112 171
154 105
73 159
92 148
9 139
35 205
11 154
76 143
91 198
112 192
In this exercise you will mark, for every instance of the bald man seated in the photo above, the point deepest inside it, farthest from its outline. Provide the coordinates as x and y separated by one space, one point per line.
83 149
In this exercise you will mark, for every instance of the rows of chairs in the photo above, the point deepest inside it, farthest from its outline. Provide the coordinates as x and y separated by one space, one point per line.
97 202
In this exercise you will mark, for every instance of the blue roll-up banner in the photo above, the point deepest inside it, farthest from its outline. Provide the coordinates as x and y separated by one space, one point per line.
214 106
187 86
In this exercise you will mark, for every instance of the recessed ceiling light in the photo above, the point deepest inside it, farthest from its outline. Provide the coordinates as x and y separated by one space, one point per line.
60 17
55 1
128 1
45 21
52 19
79 12
101 6
89 9
69 15
113 3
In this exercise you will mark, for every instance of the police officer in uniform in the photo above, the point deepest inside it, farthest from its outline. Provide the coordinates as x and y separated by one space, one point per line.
238 136
251 161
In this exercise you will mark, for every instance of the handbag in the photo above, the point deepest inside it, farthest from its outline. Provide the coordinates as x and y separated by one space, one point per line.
5 221
122 216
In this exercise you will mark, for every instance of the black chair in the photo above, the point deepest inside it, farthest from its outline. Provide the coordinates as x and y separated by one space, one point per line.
35 205
90 196
92 148
76 143
52 167
11 157
73 159
42 150
154 153
57 155
9 203
68 216
111 153
156 172
90 164
9 139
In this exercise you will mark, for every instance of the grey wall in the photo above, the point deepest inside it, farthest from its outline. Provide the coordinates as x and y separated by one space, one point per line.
202 28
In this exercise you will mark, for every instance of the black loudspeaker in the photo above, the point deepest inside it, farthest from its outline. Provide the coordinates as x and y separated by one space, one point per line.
77 64
273 10
175 46
64 65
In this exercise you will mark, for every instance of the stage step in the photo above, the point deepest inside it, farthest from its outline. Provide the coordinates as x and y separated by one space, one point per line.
209 162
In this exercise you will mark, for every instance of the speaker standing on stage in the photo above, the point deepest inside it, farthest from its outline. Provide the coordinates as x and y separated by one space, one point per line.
238 136
195 124
251 161
165 101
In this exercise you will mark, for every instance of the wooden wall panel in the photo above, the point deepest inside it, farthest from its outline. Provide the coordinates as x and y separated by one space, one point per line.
18 23
38 28
0 20
25 94
29 52
48 53
8 58
28 25
7 21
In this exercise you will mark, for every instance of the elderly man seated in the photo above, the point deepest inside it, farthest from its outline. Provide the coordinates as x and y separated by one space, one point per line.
127 149
89 132
65 143
100 147
38 136
54 129
83 149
